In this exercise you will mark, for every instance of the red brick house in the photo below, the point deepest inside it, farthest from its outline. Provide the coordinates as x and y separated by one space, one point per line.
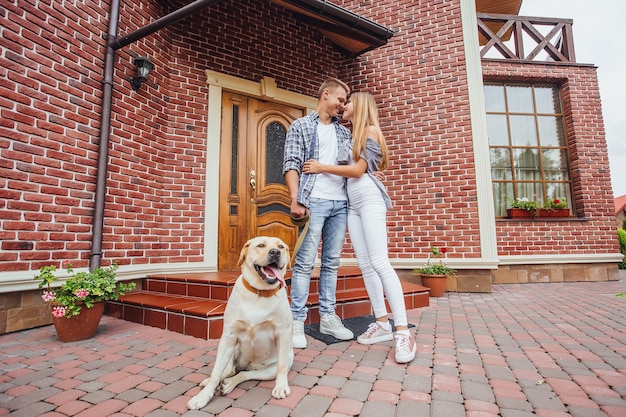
157 176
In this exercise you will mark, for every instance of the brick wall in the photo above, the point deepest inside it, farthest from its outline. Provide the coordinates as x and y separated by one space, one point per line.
50 70
50 109
51 76
420 82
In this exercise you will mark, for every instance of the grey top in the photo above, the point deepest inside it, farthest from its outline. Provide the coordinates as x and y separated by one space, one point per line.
372 155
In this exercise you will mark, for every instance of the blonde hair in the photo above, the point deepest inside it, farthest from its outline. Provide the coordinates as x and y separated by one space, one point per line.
366 115
331 84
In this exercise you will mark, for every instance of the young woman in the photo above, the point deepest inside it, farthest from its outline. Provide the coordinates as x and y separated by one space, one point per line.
368 202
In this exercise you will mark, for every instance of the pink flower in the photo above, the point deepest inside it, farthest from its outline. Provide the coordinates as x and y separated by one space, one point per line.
81 293
58 311
48 296
66 264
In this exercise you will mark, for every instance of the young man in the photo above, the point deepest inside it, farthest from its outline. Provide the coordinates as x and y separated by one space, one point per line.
318 135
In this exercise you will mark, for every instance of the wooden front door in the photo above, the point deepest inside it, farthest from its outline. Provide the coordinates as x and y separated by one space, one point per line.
253 197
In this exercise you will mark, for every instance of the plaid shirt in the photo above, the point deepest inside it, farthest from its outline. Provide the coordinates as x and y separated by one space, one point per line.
302 144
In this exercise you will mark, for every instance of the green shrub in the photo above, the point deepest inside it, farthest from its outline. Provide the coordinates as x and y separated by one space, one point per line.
621 235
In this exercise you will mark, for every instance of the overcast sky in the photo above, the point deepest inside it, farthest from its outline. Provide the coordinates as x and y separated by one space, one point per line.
599 39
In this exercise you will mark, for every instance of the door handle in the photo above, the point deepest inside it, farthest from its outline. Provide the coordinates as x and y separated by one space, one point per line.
253 180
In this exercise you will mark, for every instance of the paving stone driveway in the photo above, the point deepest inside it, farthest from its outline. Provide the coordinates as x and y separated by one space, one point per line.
523 350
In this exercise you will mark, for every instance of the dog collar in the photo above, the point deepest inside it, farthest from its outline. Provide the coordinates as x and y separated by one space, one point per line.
260 293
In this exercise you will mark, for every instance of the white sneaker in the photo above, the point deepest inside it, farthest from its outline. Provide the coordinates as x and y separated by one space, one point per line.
299 339
331 324
376 333
405 348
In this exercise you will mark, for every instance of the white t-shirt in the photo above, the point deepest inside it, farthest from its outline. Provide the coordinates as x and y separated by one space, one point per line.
327 186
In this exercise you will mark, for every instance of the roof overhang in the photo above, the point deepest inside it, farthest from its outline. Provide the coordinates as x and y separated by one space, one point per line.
497 7
352 34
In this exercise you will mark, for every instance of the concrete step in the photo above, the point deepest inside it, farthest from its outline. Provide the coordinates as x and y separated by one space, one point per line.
193 304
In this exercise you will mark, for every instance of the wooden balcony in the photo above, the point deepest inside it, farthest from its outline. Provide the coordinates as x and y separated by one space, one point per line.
525 39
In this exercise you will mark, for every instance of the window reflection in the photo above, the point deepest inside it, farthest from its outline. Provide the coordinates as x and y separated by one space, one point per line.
523 131
520 99
275 144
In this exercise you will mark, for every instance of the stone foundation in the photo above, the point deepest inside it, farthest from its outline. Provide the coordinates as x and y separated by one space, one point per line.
23 310
523 274
481 280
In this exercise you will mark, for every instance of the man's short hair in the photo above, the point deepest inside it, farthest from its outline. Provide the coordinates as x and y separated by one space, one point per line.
331 84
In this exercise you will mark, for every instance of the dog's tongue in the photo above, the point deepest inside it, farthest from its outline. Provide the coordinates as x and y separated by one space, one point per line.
275 272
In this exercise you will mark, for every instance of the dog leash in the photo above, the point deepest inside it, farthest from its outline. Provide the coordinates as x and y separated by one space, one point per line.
304 223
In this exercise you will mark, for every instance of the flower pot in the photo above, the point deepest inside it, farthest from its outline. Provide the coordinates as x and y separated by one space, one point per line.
553 212
80 327
516 213
436 284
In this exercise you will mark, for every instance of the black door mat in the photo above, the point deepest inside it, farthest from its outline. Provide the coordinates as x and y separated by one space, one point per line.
358 325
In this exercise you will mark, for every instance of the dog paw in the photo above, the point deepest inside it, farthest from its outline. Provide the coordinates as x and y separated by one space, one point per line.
198 402
200 399
229 384
281 391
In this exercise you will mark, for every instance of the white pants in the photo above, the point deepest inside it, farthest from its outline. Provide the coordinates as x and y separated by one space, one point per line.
367 225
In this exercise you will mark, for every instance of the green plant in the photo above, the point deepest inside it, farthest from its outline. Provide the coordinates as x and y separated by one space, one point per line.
534 206
556 203
438 268
621 235
524 204
80 289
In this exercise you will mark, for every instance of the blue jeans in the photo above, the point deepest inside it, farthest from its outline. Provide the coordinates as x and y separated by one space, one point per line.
328 222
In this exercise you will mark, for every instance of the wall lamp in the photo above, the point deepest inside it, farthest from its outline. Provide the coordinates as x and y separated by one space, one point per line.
144 66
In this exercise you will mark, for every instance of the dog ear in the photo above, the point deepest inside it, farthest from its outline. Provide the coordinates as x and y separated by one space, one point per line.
244 253
287 254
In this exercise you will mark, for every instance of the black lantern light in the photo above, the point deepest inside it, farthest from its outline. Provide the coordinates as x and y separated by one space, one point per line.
144 66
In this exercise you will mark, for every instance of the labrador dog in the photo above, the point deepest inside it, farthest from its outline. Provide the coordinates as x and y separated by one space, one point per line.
257 339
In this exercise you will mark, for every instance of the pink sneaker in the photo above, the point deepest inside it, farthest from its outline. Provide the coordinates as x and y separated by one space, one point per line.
405 348
375 333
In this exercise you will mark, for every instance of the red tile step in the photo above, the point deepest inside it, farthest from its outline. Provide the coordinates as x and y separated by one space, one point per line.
193 304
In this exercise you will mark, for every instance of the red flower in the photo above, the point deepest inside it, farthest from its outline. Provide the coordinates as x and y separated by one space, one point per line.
556 201
443 250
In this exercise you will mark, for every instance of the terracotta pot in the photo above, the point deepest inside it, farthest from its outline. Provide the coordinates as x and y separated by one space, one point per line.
80 327
436 284
515 213
553 212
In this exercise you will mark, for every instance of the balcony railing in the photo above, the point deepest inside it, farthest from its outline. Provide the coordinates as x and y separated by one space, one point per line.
508 37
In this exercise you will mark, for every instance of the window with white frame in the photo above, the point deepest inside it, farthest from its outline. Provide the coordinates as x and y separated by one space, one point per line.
527 143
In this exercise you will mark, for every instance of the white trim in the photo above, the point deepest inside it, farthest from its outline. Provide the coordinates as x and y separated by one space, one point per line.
24 280
484 192
211 209
456 263
265 89
479 263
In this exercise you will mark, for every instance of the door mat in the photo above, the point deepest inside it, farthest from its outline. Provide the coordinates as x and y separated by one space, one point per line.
358 325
